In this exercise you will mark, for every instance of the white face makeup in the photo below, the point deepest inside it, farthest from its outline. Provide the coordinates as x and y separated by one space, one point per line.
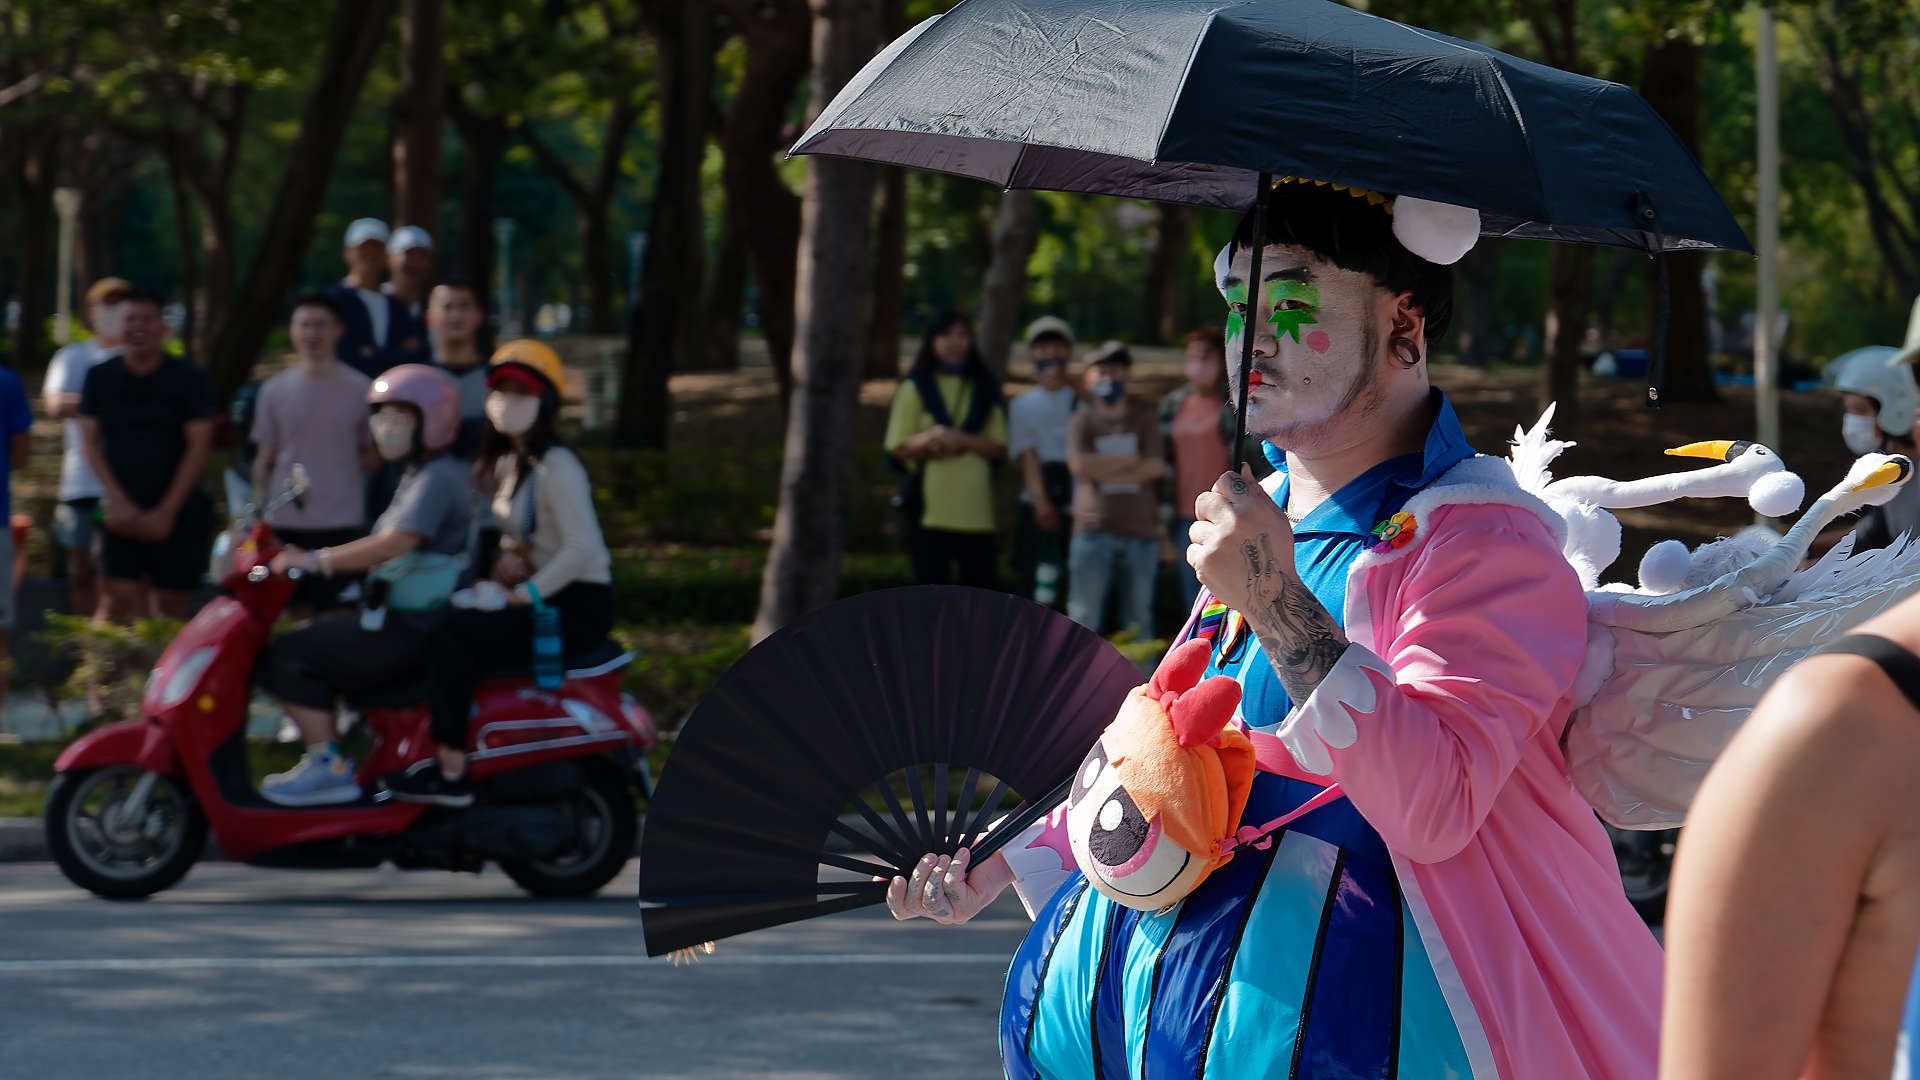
1316 350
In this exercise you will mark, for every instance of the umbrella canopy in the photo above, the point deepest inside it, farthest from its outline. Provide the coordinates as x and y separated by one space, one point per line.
1188 101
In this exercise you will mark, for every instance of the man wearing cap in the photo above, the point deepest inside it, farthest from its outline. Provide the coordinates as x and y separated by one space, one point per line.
379 331
1114 453
1037 440
410 268
73 520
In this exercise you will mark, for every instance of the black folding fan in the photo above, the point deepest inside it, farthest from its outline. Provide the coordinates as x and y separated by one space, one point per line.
923 714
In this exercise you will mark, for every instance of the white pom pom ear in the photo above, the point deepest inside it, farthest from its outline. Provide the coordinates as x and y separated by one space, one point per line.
1437 232
1664 567
1222 264
1777 494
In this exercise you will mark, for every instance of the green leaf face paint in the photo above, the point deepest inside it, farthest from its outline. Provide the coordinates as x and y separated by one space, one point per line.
1236 317
1294 305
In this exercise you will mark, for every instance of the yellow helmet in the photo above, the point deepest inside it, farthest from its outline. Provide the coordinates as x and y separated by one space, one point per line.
527 355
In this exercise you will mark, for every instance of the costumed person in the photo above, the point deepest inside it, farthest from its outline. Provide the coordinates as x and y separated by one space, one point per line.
1402 624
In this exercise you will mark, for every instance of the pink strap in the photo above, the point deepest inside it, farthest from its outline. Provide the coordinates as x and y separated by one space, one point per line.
1199 605
1249 834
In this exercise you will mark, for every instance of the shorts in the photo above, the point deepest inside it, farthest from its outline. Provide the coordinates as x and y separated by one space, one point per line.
179 562
74 527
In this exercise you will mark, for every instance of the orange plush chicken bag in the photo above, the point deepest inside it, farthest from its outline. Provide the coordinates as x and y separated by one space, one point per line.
1157 799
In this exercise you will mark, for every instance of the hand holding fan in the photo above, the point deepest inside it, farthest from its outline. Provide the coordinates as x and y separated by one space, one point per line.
920 714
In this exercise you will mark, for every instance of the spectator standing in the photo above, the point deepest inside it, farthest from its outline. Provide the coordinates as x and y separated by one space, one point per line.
16 423
314 414
947 428
1113 450
147 419
1196 427
455 314
410 269
1037 441
74 523
380 332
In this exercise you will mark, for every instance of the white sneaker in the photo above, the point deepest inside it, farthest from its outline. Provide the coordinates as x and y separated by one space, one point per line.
317 780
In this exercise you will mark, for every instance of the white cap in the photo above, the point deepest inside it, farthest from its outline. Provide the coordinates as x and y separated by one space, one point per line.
408 237
365 229
1874 371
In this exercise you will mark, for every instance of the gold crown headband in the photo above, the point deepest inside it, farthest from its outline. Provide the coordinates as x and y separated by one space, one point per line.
1384 202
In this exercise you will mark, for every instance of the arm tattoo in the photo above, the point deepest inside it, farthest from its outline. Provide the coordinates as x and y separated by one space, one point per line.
1301 640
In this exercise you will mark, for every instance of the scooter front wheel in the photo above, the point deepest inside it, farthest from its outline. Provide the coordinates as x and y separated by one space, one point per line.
123 832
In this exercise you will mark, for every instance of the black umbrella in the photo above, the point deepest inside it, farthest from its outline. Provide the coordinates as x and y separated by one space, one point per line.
858 738
1187 101
1202 101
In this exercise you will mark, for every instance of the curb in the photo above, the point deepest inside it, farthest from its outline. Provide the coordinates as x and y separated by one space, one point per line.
23 839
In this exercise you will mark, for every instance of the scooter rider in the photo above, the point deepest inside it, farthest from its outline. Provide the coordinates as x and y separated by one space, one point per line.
1879 397
551 552
415 557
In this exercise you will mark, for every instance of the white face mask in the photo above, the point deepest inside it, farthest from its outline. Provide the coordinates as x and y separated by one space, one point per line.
392 434
1861 433
512 414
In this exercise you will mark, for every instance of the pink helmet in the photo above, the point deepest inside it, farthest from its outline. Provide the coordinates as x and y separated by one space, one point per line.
427 389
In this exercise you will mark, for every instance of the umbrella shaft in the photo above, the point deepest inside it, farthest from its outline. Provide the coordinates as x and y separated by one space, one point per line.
1247 325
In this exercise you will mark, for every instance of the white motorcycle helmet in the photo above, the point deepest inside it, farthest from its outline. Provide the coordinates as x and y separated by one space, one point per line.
1876 372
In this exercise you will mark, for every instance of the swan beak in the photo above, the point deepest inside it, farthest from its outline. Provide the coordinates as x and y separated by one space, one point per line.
1893 472
1717 450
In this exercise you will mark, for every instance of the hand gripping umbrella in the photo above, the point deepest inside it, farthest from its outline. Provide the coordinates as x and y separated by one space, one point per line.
1201 102
858 738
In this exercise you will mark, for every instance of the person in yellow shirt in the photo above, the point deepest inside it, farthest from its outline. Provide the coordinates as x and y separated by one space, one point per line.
947 430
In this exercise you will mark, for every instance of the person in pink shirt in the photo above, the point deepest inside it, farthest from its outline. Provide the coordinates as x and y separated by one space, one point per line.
1403 625
314 414
1196 428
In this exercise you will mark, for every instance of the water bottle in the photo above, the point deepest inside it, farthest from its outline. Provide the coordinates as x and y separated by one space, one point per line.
549 665
373 609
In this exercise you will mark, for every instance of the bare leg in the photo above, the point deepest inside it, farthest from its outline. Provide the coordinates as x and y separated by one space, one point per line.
169 603
86 590
121 601
453 762
316 725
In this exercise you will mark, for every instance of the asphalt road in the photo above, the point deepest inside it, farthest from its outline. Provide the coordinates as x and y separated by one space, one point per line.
250 973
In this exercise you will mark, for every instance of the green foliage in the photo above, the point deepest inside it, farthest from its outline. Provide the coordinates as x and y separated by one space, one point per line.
111 661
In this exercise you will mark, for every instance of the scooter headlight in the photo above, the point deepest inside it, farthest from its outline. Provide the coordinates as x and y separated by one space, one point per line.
179 682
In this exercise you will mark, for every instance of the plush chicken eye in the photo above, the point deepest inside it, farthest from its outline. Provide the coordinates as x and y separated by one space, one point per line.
1089 774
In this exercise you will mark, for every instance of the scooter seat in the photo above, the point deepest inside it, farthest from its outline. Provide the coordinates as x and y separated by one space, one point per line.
595 659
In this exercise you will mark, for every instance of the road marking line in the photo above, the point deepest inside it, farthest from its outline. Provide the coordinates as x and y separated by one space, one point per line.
264 963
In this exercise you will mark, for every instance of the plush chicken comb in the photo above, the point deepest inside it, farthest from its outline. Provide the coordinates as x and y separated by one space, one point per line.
1199 708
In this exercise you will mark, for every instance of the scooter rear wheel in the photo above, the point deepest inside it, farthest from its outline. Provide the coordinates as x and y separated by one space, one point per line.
607 830
106 851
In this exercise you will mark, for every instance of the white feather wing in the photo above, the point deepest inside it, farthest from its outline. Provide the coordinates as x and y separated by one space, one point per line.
1640 747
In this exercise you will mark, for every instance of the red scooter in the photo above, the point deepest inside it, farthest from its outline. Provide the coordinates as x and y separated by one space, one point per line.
131 803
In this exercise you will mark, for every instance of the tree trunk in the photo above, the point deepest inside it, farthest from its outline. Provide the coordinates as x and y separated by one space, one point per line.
726 304
1570 276
1671 84
889 278
834 290
1475 276
1005 285
483 141
184 234
596 265
656 326
33 184
353 37
216 247
1166 274
765 212
418 109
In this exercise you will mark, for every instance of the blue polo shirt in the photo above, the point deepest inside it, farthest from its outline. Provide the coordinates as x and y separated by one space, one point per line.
1326 542
16 416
